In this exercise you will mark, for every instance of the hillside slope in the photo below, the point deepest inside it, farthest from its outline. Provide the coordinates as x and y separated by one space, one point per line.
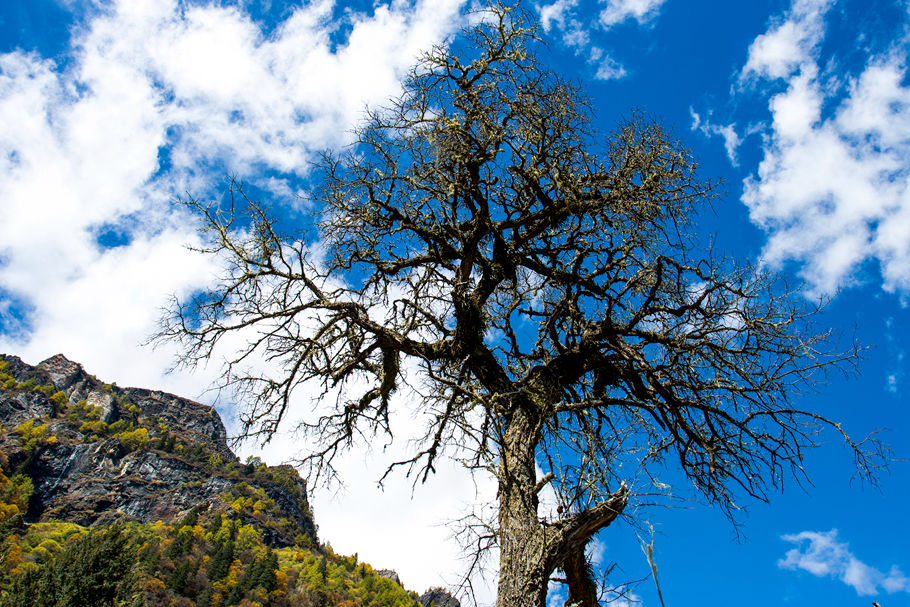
127 496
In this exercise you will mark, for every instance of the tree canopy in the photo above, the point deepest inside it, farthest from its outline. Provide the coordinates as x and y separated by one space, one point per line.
540 283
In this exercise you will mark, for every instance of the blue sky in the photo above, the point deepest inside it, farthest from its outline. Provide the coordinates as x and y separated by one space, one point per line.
110 110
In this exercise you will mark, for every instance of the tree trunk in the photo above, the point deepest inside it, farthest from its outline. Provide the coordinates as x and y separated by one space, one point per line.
523 564
529 550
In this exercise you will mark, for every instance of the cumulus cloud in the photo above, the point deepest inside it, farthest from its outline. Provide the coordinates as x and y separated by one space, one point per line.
159 100
832 190
823 555
607 68
156 99
790 43
561 18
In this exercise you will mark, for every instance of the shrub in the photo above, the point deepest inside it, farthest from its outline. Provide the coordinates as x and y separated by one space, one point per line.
60 400
14 497
85 411
121 425
47 390
31 435
136 439
97 427
28 384
7 382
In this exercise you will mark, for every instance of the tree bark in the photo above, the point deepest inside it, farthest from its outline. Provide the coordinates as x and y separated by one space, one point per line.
531 550
523 564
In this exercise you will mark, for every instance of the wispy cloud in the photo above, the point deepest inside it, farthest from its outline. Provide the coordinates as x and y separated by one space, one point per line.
823 555
559 14
727 132
620 11
832 190
896 374
584 36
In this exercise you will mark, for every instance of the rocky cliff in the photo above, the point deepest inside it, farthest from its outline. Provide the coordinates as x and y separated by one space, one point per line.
96 453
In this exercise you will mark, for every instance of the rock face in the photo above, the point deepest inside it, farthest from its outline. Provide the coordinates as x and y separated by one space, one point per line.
437 597
199 423
95 482
96 453
389 574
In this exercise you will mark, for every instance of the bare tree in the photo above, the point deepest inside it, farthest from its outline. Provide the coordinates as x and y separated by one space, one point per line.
541 279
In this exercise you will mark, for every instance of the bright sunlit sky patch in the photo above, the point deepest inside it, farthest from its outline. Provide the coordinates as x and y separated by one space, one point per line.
111 110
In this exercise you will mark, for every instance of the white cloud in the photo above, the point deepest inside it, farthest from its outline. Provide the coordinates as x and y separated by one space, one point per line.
561 16
823 555
896 376
556 594
383 524
833 188
578 34
557 13
727 132
256 100
789 44
607 67
618 11
157 98
596 552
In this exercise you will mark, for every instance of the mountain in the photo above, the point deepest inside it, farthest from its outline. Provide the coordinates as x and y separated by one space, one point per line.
127 496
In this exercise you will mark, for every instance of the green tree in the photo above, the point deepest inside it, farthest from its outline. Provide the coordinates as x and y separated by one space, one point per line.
222 558
263 575
176 581
96 570
540 279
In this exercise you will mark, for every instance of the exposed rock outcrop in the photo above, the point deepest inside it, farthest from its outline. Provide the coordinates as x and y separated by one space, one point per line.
96 453
438 597
389 574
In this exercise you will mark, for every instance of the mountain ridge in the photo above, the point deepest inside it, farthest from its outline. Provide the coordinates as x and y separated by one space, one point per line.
81 460
142 453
